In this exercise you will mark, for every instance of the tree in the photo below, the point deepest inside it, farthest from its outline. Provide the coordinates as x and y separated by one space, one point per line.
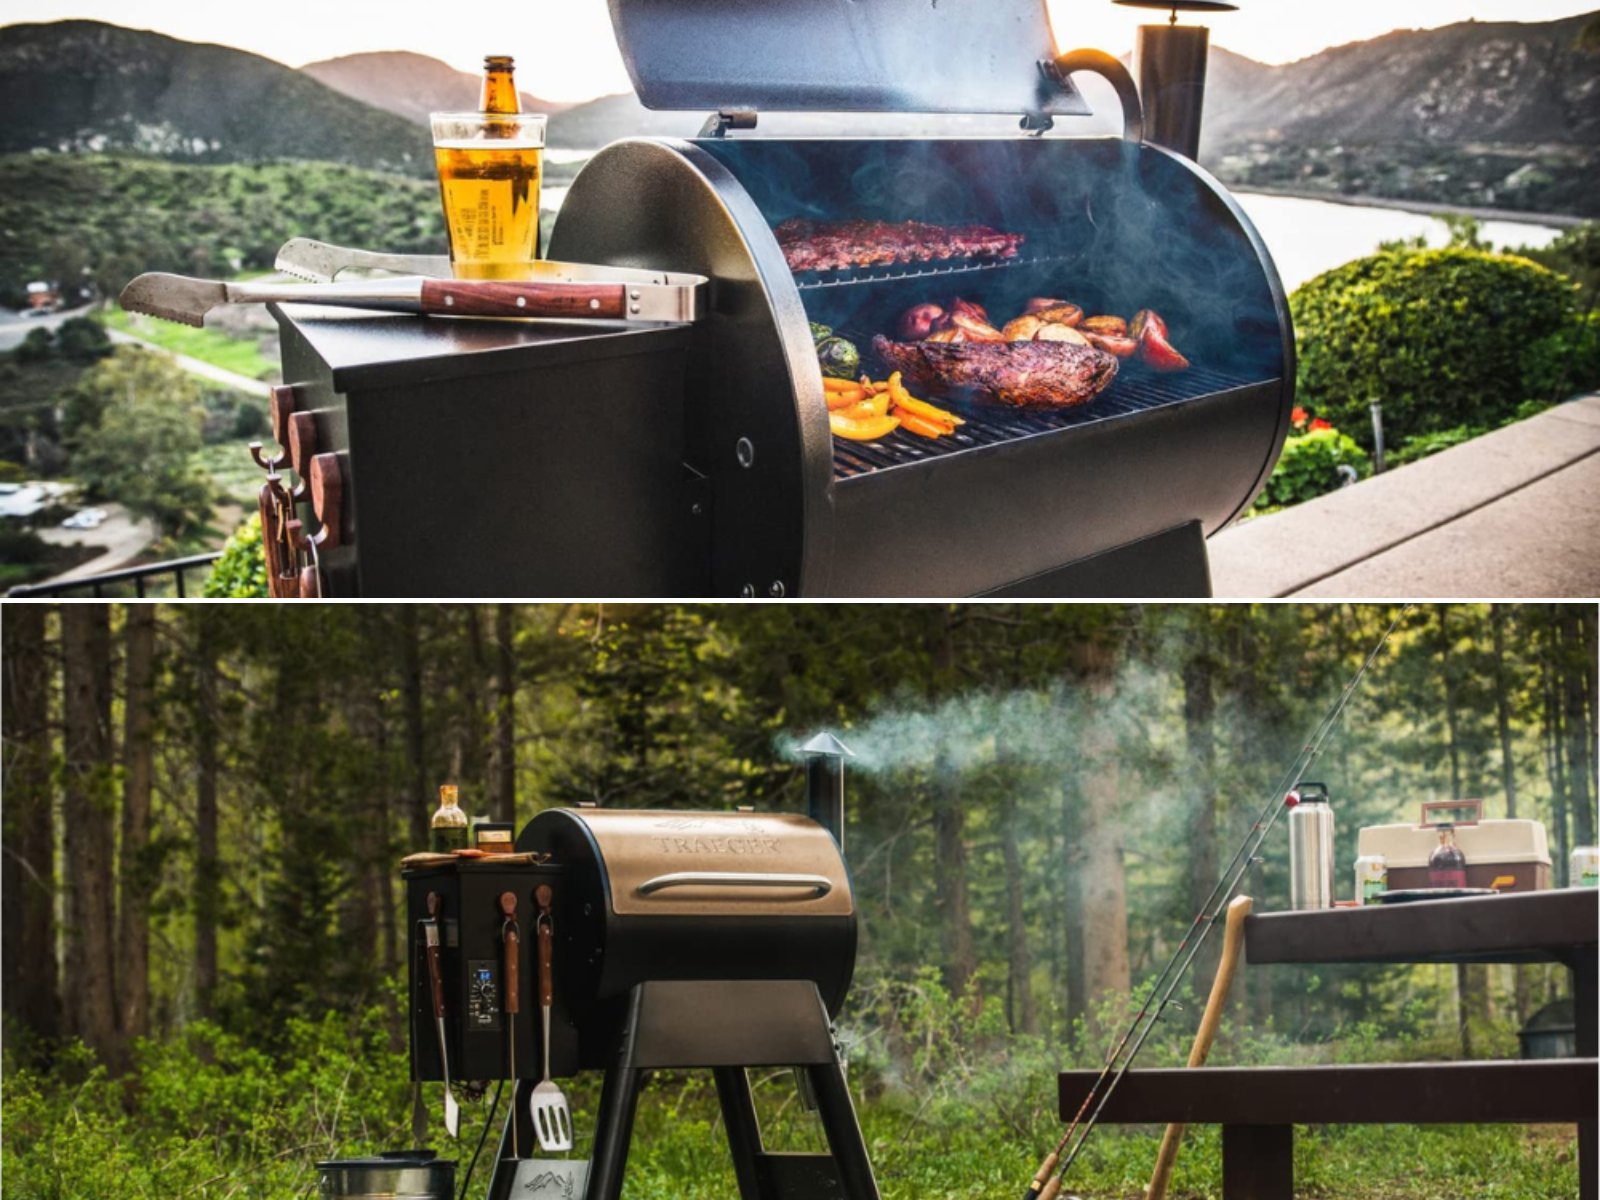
29 987
82 340
138 757
505 715
88 813
140 453
207 868
1577 643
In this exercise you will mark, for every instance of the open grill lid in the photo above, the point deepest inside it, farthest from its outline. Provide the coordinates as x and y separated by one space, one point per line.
959 56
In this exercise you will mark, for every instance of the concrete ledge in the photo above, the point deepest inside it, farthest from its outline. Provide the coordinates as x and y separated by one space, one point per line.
1513 513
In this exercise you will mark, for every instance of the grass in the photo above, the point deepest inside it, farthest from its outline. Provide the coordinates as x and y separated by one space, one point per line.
237 1121
233 471
242 357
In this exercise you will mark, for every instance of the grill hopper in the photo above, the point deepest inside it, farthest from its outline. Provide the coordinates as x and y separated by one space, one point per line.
1016 502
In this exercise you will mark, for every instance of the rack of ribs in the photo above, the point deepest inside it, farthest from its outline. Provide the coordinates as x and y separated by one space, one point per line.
833 245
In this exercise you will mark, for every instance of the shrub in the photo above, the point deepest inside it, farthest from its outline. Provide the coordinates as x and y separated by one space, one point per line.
242 569
1443 338
1309 467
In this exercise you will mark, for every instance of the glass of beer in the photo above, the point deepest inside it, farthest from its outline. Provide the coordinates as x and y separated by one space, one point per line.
489 167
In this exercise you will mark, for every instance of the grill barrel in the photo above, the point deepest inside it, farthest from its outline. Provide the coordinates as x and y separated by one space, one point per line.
1110 225
625 926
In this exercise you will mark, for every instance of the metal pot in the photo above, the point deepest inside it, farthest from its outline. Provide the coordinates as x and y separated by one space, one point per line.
396 1175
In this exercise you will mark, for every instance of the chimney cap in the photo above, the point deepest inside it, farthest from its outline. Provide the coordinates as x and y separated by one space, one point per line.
826 743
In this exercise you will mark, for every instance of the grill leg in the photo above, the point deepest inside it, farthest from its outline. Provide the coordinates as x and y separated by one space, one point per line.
839 1124
744 1129
619 1100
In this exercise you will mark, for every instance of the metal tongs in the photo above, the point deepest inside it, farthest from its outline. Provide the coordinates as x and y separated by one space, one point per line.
550 290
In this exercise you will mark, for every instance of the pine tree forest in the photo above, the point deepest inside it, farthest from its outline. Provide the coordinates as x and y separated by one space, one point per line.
205 807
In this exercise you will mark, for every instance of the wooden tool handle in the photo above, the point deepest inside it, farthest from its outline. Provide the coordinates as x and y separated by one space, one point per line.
508 298
546 939
1232 943
508 905
436 976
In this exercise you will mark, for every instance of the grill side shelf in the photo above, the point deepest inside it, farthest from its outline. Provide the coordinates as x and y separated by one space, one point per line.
1134 391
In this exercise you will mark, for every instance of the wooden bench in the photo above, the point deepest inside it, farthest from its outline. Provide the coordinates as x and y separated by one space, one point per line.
1258 1107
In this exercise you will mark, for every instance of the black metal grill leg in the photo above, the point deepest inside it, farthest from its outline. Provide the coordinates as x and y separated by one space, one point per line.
838 1116
619 1100
744 1129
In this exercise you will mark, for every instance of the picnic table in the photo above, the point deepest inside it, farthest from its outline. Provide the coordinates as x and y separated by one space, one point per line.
1258 1107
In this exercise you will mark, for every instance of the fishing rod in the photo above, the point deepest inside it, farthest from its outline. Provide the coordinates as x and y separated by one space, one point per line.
1047 1181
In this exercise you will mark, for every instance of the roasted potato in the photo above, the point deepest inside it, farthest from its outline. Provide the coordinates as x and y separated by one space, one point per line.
1057 332
1022 329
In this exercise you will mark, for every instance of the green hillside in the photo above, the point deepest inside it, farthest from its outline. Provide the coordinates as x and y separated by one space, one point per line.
129 215
131 90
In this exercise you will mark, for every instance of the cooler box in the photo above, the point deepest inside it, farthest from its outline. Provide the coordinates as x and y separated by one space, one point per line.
1494 850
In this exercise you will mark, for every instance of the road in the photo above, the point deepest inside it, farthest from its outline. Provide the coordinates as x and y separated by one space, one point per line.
14 326
123 536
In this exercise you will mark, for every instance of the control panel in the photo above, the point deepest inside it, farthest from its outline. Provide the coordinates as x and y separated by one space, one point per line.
483 995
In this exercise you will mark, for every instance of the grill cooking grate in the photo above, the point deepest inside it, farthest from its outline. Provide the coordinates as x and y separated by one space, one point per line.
812 280
1134 390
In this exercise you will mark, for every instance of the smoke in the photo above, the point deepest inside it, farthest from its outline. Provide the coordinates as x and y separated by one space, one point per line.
1039 736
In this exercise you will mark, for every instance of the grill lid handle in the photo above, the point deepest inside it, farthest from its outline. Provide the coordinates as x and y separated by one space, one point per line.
1110 69
821 883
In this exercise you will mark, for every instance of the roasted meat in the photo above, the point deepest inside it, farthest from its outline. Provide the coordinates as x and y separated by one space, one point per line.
831 245
1019 374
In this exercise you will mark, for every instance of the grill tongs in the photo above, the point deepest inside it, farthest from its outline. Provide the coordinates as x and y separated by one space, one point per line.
560 291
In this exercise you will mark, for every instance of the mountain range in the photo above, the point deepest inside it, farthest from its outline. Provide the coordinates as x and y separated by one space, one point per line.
1503 91
87 85
409 85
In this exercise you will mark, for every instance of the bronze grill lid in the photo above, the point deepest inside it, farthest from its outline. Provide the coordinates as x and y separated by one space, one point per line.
927 56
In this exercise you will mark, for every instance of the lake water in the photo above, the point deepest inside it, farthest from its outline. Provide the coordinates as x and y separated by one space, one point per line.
1306 237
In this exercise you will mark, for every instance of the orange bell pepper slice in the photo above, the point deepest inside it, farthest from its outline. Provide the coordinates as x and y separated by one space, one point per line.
928 412
868 430
920 425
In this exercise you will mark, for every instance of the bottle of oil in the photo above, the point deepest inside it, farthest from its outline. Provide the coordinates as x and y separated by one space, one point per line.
499 87
1447 866
449 826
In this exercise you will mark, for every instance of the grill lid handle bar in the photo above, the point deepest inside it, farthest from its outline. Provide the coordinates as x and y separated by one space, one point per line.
821 883
1109 69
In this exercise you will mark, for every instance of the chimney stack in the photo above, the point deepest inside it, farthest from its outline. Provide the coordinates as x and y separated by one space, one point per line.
825 755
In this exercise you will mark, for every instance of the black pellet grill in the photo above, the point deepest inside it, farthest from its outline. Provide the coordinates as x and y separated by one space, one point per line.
496 459
682 939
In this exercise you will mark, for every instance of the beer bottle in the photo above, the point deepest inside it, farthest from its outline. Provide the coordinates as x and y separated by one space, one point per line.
1447 866
499 88
449 826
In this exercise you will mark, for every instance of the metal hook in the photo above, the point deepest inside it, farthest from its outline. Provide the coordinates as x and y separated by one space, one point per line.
268 464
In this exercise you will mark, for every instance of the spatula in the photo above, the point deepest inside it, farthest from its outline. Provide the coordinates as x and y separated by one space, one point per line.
552 1121
181 298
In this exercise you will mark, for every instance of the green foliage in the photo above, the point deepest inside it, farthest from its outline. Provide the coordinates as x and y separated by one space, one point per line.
1465 234
38 345
131 215
1575 254
82 340
20 545
139 452
211 1114
1309 467
1442 337
242 570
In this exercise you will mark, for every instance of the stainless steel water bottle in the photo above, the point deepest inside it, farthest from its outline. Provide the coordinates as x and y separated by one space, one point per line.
1310 847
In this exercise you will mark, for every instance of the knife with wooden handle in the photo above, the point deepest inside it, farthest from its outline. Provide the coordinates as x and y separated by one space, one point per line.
321 262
